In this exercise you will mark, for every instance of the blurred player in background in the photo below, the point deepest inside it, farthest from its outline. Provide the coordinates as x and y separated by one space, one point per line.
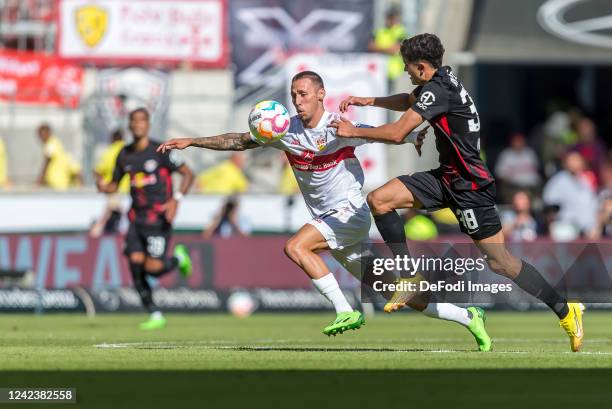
462 182
154 207
330 178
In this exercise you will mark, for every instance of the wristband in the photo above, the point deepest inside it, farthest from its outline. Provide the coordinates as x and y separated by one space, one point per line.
178 196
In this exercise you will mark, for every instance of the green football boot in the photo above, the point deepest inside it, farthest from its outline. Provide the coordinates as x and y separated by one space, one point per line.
153 324
477 328
345 321
184 265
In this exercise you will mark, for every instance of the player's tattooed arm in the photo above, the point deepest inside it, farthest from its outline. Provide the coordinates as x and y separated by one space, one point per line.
226 142
223 142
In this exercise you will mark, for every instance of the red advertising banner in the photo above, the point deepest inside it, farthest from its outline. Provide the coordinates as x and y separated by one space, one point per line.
221 264
29 77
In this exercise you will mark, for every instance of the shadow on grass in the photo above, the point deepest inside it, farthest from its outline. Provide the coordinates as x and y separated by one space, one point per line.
508 388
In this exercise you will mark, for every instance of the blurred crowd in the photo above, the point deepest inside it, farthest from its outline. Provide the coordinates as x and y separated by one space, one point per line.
558 180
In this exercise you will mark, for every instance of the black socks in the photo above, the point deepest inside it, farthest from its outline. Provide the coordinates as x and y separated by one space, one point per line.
530 280
169 264
142 286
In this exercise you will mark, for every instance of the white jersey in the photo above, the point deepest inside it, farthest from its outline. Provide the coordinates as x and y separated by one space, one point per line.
325 166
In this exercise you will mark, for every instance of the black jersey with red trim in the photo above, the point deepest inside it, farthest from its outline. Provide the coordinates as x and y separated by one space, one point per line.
150 181
445 103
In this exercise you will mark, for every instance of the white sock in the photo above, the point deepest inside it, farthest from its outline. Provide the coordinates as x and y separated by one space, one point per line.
156 315
328 286
449 312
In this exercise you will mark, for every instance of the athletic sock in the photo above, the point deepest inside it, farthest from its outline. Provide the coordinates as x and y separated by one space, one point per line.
530 280
156 315
328 286
449 312
169 264
391 229
142 286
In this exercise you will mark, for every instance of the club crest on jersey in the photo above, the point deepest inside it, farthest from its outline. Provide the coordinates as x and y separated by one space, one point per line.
321 141
150 165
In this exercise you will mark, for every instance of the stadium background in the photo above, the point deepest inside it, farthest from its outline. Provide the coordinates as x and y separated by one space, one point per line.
541 70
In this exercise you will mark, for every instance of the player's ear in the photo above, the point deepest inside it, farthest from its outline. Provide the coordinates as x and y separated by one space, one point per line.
421 68
321 93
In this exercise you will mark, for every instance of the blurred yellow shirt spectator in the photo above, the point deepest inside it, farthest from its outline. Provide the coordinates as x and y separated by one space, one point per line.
388 38
106 165
3 165
288 183
62 167
225 178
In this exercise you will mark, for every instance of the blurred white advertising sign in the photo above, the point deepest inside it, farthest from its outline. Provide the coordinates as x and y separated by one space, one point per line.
140 31
344 75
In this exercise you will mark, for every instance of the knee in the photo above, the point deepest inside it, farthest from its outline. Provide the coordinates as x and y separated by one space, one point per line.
377 203
294 249
505 265
137 258
152 265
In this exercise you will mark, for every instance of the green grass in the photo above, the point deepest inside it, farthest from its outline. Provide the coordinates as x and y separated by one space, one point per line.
290 341
214 358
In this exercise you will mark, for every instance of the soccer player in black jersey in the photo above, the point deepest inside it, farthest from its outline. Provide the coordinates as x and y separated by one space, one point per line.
154 206
462 182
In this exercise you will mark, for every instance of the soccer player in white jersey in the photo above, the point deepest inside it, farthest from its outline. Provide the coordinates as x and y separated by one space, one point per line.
330 178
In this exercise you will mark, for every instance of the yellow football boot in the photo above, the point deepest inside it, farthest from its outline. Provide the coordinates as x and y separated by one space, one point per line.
402 296
572 324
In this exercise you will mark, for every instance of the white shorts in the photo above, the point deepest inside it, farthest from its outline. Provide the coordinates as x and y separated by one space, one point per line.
346 230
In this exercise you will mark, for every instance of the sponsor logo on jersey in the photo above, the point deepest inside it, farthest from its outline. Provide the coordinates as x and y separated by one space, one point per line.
427 98
141 179
308 156
150 165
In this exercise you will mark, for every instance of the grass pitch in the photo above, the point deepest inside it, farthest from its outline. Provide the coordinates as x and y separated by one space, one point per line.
221 361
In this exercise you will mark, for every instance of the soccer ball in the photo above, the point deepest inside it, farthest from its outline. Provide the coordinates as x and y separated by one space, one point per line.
269 121
241 304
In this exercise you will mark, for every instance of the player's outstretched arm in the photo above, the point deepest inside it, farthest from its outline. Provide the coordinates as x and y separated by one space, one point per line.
398 102
224 142
394 132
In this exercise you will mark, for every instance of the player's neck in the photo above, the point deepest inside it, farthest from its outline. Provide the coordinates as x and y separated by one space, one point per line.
314 120
142 143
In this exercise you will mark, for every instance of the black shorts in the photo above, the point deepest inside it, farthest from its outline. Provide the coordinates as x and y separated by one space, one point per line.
151 240
475 209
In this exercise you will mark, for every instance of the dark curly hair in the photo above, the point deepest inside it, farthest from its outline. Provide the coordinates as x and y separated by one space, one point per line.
427 47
